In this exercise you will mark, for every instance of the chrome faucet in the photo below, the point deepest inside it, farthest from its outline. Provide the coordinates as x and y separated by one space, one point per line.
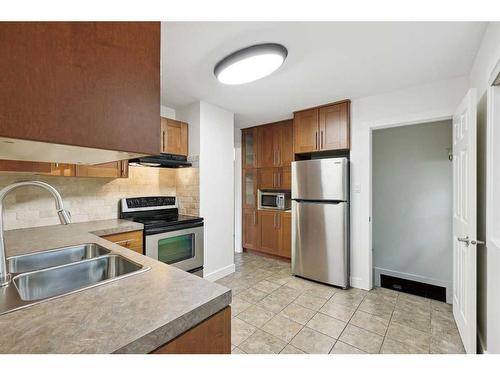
64 217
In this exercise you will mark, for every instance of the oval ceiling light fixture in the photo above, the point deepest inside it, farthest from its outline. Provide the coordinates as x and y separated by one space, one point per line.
250 63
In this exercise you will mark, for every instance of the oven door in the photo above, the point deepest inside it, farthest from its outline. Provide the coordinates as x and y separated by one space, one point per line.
181 248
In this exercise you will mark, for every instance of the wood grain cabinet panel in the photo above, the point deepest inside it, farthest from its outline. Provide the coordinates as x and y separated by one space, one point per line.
285 229
174 137
249 187
334 127
250 228
267 139
285 179
305 131
24 166
90 84
116 169
131 240
268 178
212 336
268 231
286 148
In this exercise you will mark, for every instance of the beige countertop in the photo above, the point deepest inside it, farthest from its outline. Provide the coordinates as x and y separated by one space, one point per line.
135 314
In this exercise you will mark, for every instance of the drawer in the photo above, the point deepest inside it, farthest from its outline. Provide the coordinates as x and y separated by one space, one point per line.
131 240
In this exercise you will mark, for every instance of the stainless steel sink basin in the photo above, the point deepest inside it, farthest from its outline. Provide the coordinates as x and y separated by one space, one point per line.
56 281
55 257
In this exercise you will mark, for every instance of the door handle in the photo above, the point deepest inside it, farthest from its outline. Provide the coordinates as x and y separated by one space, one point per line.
469 241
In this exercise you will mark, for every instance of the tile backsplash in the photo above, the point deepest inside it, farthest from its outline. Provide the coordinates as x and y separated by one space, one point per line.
95 198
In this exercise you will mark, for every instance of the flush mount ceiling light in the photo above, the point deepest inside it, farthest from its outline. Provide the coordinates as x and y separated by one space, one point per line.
250 64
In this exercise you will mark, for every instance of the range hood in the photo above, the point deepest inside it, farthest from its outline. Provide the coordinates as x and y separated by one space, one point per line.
162 161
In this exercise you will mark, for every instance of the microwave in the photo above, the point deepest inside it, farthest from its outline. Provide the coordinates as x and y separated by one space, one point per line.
273 200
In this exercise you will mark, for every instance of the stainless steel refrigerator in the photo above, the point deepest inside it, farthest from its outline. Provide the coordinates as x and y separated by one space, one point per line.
320 220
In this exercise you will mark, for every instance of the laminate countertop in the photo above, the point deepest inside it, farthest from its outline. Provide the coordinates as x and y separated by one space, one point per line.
136 314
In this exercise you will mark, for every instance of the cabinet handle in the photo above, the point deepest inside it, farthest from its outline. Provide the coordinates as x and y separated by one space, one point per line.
254 217
279 157
274 179
321 146
279 179
163 141
274 219
316 135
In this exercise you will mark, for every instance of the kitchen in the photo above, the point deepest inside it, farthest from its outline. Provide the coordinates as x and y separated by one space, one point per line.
184 222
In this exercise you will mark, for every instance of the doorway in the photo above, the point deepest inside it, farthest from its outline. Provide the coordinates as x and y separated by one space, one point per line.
412 209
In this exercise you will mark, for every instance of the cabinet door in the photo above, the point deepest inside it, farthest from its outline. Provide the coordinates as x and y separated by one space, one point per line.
250 228
24 166
305 131
334 127
285 178
268 178
285 227
174 137
112 170
249 188
286 144
266 142
249 148
268 231
61 169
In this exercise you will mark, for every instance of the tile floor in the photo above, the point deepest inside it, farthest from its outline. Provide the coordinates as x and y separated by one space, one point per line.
274 312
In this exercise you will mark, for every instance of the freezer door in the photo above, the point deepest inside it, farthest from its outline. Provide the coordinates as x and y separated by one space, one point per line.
321 179
320 242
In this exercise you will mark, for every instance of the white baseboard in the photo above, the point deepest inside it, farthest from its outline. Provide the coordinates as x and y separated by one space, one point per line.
409 276
358 282
220 273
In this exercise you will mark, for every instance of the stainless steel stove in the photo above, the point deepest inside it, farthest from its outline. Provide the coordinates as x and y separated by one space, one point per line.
168 237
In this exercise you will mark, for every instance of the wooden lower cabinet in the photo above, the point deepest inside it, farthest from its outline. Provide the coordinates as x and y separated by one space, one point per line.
274 232
131 240
250 228
212 336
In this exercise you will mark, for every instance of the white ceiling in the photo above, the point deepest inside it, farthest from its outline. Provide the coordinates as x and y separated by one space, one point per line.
326 62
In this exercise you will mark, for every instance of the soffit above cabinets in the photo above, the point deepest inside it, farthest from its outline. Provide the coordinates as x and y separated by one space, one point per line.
19 149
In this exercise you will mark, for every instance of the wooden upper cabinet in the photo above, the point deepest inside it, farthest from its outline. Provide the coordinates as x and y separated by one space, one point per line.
324 128
61 169
286 148
334 127
24 166
267 139
249 148
174 137
90 84
116 169
305 131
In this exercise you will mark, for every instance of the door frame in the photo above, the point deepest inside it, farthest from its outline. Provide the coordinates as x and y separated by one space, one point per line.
413 119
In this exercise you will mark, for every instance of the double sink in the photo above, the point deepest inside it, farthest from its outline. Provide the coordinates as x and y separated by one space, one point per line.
44 275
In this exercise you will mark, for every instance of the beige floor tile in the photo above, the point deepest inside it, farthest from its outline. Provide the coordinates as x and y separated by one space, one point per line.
266 286
262 343
313 342
378 298
275 302
237 350
343 348
441 306
288 292
370 322
290 349
238 305
299 284
297 313
338 311
362 339
415 319
440 345
252 295
281 327
409 336
327 325
310 301
391 346
321 291
240 331
347 299
279 279
380 309
256 316
410 302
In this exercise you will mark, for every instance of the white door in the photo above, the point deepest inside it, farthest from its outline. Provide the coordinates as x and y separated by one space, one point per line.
464 220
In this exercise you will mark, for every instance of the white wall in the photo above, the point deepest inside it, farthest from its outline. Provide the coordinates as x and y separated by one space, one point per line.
167 112
412 203
238 247
488 259
211 138
419 104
